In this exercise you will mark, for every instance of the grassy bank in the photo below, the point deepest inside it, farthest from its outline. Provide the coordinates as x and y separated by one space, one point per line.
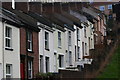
112 69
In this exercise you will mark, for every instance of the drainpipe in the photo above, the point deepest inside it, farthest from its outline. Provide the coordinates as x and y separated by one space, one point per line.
26 53
3 48
77 44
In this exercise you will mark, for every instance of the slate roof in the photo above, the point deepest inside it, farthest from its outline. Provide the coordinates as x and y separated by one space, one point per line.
68 23
27 20
74 19
90 12
55 21
41 19
79 16
10 17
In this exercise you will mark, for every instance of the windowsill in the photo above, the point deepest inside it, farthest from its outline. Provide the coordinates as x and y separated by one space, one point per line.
47 49
30 51
78 39
60 47
10 49
61 68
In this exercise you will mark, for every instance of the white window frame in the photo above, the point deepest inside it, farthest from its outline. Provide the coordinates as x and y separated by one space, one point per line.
29 40
46 40
47 62
102 8
70 58
30 64
85 32
78 51
59 39
8 37
83 50
86 49
10 73
78 34
69 38
61 65
110 6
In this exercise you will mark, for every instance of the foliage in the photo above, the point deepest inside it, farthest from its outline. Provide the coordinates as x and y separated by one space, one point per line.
112 69
45 76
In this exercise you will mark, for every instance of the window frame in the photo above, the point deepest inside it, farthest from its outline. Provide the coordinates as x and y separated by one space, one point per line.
59 40
102 8
8 36
85 32
9 74
30 68
110 7
69 38
46 40
61 61
86 49
78 34
78 52
29 41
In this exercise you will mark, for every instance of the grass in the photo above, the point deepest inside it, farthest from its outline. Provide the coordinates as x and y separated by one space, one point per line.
112 69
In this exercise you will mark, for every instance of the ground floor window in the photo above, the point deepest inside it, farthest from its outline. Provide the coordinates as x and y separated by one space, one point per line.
61 60
8 70
30 69
47 64
41 63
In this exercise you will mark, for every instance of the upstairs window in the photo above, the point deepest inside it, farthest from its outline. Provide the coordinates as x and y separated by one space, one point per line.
46 40
78 34
8 37
110 6
85 32
69 38
59 39
29 40
102 8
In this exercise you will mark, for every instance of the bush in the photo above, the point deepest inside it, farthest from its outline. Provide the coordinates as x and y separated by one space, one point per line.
45 76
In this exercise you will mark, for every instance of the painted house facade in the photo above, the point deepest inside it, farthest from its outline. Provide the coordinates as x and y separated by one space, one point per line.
29 46
10 46
55 41
99 25
46 44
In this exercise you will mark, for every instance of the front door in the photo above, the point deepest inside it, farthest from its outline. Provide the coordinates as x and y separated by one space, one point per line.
22 71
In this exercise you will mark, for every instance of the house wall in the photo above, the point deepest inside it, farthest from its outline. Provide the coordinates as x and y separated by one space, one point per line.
46 53
1 41
69 48
1 75
59 51
23 50
13 57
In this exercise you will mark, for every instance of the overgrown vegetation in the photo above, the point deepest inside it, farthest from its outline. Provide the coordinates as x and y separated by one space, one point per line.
46 76
112 69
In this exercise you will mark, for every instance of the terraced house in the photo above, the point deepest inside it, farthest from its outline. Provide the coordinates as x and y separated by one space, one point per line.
48 37
10 45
